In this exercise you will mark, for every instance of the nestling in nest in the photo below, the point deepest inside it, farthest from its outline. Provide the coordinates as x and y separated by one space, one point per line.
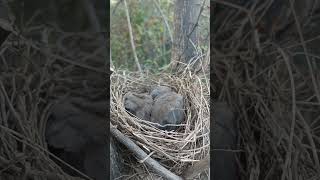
173 147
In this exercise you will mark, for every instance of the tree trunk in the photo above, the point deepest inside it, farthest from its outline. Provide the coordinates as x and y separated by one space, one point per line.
186 18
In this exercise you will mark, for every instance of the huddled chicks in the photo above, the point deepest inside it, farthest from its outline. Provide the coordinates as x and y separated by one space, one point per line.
163 106
76 133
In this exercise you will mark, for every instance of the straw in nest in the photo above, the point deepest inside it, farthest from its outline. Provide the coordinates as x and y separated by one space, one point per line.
175 149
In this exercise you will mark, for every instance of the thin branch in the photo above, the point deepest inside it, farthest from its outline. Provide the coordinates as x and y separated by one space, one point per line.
116 6
154 165
164 19
131 37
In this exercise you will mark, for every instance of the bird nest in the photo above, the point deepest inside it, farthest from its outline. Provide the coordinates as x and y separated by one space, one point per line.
174 149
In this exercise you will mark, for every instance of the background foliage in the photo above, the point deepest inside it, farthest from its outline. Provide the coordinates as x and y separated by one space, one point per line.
151 36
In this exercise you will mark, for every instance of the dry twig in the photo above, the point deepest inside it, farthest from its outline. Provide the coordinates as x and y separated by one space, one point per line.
131 37
154 165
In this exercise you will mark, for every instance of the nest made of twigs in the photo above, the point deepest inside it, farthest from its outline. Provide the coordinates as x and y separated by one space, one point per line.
175 149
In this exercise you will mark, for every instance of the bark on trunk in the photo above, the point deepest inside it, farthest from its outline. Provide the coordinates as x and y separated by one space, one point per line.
185 31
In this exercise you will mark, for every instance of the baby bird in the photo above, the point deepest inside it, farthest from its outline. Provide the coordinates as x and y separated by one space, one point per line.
168 108
138 104
76 132
160 90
